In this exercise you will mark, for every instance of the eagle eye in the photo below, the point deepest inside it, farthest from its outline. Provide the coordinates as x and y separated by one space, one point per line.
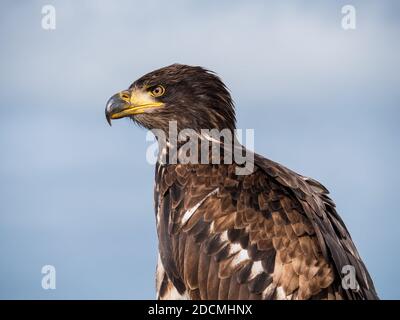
157 91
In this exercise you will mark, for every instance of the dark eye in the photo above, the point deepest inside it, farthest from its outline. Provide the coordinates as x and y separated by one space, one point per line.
157 91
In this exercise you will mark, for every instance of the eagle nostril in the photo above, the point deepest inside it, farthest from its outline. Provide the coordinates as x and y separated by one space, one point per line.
125 95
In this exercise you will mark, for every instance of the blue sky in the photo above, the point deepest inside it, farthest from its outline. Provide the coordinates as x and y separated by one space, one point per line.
77 194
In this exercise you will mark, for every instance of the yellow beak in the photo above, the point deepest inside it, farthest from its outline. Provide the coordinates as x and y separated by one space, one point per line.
130 102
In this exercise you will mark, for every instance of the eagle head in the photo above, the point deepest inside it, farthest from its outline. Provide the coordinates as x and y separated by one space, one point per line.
192 96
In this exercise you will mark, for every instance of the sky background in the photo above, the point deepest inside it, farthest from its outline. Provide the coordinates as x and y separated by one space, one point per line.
77 194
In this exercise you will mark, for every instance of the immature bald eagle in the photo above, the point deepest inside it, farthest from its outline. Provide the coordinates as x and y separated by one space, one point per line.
270 234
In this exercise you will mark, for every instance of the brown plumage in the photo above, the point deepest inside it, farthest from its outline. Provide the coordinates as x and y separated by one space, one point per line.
271 234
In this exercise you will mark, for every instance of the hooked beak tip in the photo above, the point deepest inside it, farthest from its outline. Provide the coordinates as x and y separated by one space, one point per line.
108 119
109 108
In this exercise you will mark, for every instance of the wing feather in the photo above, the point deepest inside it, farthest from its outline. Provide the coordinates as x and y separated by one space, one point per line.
272 234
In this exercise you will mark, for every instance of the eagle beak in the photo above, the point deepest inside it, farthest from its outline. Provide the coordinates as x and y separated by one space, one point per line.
114 105
128 103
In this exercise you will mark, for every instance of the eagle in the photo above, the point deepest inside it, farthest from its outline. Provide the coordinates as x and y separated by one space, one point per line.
269 234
